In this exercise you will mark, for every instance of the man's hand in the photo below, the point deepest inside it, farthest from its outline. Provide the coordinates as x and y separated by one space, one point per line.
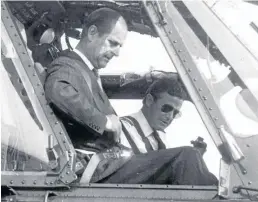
156 74
200 145
114 125
159 75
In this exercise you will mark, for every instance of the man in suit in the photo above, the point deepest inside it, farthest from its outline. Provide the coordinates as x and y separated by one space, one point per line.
74 90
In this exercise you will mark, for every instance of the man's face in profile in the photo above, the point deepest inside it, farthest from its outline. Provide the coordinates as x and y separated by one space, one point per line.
108 45
163 110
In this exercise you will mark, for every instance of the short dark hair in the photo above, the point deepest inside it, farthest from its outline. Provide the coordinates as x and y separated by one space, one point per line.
103 18
173 87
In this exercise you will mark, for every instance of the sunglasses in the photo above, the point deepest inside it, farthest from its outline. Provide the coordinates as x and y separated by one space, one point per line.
166 108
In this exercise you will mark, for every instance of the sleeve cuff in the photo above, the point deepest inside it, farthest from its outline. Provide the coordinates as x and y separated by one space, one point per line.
108 124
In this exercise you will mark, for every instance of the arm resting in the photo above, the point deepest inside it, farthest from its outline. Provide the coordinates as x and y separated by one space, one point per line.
132 86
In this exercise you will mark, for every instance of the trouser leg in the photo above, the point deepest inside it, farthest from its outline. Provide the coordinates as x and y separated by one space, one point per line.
183 165
190 169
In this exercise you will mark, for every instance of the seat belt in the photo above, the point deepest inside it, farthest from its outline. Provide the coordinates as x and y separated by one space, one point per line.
91 167
96 158
85 151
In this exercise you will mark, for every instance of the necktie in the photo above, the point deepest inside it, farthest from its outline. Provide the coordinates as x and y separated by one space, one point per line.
161 145
96 73
147 144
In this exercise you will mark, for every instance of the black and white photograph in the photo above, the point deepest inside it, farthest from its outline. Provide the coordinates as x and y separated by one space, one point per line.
127 101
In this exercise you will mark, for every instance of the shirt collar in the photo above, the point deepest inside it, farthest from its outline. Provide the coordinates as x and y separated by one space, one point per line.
84 59
145 126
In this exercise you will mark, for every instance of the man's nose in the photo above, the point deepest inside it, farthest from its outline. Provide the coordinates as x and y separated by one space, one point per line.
169 115
116 51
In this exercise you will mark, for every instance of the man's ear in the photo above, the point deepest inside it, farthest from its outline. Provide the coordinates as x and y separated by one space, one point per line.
149 99
92 32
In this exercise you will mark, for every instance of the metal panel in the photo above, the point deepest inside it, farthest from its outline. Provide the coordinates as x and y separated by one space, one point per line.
249 171
113 192
81 199
27 179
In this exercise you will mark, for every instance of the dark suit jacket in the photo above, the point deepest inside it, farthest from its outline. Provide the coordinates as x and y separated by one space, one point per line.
82 111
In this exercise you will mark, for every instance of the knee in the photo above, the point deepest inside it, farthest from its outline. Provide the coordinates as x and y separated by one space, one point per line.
191 151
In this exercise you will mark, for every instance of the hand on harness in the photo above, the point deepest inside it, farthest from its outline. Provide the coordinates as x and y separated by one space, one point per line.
106 162
114 125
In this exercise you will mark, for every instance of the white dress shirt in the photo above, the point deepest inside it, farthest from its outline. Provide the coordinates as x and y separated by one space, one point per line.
147 130
89 64
84 59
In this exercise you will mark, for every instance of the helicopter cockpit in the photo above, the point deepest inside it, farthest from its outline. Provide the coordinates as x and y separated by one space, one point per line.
219 73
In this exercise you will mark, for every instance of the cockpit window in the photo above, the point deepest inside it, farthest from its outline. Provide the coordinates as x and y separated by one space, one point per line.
23 143
24 137
231 81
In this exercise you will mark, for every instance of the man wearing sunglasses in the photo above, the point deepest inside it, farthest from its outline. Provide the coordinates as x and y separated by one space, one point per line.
154 162
161 104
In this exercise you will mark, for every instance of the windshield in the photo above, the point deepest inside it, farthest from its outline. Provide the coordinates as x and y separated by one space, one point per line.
24 138
22 141
230 72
